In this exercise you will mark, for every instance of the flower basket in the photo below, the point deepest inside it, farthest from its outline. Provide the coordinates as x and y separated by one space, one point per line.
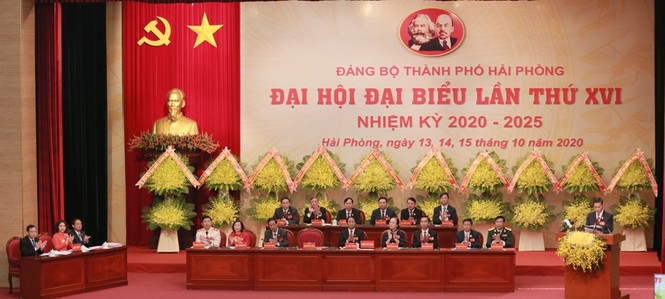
320 171
576 210
531 240
434 174
168 175
222 210
533 175
581 175
532 214
168 241
486 207
428 203
634 174
263 208
273 174
224 174
485 173
582 251
169 215
634 214
375 173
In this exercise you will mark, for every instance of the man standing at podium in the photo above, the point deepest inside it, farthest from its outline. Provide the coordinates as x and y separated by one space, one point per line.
600 220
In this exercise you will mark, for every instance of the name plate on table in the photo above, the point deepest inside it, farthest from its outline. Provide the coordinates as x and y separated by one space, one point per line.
496 247
76 247
392 246
461 246
446 223
427 246
380 223
342 222
406 223
241 245
282 222
352 246
197 245
308 245
270 245
367 244
317 222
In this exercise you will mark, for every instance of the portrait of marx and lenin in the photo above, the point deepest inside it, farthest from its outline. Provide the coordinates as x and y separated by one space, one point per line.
431 32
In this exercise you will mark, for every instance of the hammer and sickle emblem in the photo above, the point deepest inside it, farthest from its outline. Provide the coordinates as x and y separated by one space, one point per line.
162 37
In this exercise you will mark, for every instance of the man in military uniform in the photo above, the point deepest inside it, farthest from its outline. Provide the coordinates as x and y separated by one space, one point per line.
499 234
210 236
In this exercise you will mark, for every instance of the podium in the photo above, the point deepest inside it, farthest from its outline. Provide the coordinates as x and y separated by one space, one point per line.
604 283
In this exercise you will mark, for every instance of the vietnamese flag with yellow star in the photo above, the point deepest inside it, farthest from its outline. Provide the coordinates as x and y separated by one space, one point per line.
191 46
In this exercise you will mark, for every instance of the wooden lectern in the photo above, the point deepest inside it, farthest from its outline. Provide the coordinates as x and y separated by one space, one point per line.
604 283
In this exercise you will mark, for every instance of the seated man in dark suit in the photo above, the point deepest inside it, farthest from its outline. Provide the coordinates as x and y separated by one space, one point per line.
351 234
382 213
315 212
600 220
286 212
393 234
275 235
412 213
425 235
468 236
349 211
30 244
444 211
77 232
500 234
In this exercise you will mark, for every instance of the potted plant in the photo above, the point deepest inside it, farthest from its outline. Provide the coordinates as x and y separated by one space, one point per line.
170 215
634 215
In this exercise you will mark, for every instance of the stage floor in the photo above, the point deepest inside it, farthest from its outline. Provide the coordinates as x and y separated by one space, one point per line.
145 260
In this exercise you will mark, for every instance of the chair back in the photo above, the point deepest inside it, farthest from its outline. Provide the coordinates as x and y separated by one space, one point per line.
328 217
14 254
481 239
310 235
44 237
362 217
290 237
252 239
222 238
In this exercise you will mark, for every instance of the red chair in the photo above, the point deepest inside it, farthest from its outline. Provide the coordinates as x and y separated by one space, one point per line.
362 217
222 243
13 259
310 235
328 217
290 237
44 237
252 239
480 238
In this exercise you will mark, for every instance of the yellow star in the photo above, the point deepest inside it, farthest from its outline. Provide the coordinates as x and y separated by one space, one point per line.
205 32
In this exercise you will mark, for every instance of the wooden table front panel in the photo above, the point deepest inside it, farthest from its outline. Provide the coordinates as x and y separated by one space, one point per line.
473 270
409 270
106 269
223 270
352 271
294 270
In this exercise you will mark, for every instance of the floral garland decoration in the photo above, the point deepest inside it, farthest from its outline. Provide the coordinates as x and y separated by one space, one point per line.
534 175
486 207
582 251
224 173
222 210
582 175
576 210
433 174
635 174
428 203
272 174
532 213
169 214
170 174
159 142
263 208
375 174
320 171
485 173
633 212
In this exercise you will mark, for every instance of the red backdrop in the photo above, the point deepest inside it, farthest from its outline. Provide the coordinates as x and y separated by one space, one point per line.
209 76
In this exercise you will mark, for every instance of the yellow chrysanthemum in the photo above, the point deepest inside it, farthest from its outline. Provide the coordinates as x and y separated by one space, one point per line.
432 178
170 214
375 178
224 177
271 179
582 251
222 210
531 214
533 180
168 179
634 213
320 176
263 208
634 178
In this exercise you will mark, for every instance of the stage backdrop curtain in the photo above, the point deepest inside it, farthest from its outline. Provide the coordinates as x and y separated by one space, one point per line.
84 116
48 72
209 76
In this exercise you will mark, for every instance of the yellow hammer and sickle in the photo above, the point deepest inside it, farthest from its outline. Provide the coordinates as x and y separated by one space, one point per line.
162 37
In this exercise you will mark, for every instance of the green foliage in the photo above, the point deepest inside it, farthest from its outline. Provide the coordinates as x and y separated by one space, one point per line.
168 179
484 179
633 212
432 177
485 207
271 179
169 214
635 177
533 180
580 178
224 178
532 213
222 210
159 142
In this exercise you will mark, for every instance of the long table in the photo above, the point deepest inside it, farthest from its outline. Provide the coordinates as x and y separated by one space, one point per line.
332 269
50 277
331 233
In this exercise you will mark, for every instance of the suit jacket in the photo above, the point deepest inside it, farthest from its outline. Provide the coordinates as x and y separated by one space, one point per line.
78 239
607 217
282 238
324 216
418 213
27 249
437 215
434 45
433 237
506 237
341 214
400 233
474 239
344 235
291 217
376 215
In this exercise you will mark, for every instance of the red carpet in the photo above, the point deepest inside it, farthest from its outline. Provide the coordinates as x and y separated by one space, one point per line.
144 260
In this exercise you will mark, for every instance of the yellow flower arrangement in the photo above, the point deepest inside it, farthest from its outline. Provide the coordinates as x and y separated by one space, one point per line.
374 179
533 213
169 214
320 176
427 204
433 178
271 179
533 180
222 209
633 212
582 251
224 178
485 207
168 179
484 179
634 178
263 208
580 178
576 210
